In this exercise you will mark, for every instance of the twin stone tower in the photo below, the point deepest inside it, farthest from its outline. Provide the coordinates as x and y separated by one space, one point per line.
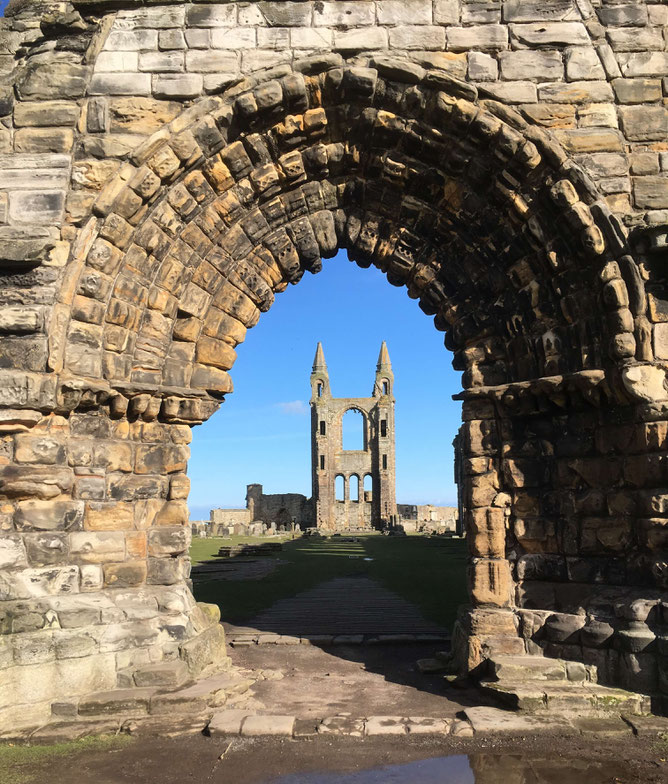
353 488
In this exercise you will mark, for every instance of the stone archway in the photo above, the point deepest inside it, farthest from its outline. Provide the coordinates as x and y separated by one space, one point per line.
502 238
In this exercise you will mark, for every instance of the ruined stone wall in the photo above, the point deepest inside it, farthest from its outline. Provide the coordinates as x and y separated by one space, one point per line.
279 508
349 506
504 161
230 517
427 517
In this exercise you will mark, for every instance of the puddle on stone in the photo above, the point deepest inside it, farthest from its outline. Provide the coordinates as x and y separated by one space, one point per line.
474 769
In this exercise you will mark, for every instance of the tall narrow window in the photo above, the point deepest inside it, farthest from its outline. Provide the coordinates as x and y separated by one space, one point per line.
383 427
319 388
322 462
368 487
354 488
323 428
352 431
340 488
386 387
384 462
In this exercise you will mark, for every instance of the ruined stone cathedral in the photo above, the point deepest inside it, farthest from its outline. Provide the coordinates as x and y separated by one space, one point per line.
366 476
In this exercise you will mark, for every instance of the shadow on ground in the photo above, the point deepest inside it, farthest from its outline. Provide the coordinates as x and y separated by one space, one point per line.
367 585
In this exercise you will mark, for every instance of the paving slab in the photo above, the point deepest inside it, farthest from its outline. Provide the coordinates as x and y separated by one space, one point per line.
385 725
425 725
342 725
226 722
268 725
600 726
491 721
461 729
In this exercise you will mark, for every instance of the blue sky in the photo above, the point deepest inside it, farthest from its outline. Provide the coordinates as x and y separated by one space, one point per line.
262 431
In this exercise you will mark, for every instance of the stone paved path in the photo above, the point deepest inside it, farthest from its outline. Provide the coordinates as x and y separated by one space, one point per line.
345 605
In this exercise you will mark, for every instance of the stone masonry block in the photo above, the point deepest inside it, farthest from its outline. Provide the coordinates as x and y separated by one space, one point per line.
360 39
12 551
49 515
46 113
650 192
132 84
106 516
447 12
550 34
583 63
350 13
417 37
485 37
127 62
400 12
131 40
482 67
637 90
211 62
178 87
162 17
98 547
644 123
525 64
537 10
211 15
43 140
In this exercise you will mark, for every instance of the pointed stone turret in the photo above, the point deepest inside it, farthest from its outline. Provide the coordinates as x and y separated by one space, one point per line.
383 359
319 364
384 374
319 376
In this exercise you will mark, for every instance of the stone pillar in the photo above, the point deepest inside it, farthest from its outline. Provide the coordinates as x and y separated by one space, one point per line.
490 625
94 557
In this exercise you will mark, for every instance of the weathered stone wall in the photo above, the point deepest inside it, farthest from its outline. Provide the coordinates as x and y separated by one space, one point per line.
427 517
227 517
268 508
279 508
505 161
375 460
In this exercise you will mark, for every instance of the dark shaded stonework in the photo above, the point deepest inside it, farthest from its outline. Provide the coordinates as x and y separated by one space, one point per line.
166 169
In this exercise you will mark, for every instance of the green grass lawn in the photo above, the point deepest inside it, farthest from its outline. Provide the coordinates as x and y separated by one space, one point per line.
431 573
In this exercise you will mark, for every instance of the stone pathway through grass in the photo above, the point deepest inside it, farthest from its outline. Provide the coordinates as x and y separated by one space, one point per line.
430 573
342 606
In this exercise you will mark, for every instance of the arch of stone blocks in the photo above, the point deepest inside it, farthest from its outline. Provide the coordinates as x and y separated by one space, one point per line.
134 263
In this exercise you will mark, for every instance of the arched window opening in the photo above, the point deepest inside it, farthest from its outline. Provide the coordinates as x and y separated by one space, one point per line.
386 387
352 431
323 428
340 488
320 388
368 487
354 488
